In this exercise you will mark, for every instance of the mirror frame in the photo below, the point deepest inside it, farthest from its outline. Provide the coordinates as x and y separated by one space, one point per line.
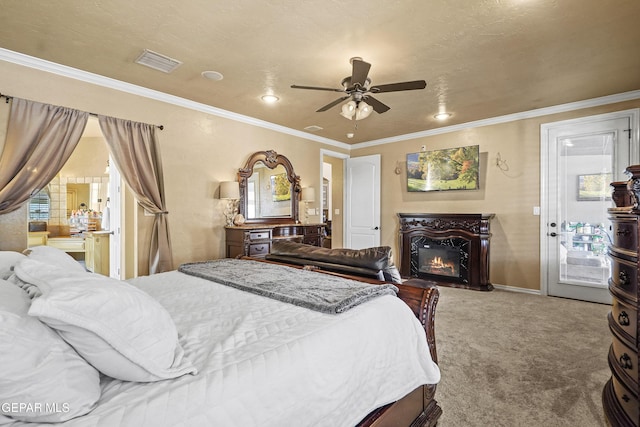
271 159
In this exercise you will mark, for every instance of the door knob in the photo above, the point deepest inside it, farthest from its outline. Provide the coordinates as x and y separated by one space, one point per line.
376 228
553 234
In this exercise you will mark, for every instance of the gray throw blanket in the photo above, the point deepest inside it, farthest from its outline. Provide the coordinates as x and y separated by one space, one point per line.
316 291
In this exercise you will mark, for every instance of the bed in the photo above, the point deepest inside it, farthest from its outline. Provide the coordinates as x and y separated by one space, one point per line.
208 353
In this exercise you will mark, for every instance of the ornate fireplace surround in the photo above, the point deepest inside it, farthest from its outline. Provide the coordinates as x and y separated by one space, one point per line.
467 235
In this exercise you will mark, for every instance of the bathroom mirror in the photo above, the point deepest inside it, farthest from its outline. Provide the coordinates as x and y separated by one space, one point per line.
269 189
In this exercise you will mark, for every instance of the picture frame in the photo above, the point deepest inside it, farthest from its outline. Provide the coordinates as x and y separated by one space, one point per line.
444 169
594 186
280 188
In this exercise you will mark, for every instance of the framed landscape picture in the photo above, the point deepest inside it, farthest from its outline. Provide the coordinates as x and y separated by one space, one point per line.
594 186
445 169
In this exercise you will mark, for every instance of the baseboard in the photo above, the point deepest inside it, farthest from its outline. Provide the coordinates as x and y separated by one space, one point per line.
516 289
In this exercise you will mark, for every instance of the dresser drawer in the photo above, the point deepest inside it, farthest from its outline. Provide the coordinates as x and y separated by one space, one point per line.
625 318
625 234
260 235
259 249
313 229
626 399
625 358
624 275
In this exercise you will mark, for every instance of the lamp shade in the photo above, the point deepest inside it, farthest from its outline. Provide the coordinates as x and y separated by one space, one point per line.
230 190
308 194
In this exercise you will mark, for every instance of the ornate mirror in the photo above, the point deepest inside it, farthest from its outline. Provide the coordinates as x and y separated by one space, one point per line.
269 189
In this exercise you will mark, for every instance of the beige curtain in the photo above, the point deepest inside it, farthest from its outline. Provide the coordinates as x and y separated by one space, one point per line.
134 149
40 140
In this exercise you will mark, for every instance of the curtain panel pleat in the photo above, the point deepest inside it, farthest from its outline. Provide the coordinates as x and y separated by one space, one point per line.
134 149
40 139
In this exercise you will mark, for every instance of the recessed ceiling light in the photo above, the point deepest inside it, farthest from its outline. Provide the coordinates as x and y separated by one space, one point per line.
442 116
212 75
270 99
350 135
157 61
313 128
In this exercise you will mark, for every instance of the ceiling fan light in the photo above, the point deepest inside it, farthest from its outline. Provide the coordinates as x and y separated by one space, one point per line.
363 111
348 110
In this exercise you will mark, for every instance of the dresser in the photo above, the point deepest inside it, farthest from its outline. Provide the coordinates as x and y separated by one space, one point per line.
620 394
255 240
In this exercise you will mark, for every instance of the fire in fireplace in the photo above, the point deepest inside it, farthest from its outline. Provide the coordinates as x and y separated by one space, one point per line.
439 260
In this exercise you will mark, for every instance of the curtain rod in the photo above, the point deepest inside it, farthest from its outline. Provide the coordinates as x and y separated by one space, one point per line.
9 98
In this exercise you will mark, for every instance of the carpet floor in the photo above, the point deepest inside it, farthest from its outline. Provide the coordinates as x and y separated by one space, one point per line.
514 359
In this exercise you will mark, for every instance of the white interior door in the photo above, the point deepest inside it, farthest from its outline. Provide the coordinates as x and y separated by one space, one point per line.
362 204
583 157
114 206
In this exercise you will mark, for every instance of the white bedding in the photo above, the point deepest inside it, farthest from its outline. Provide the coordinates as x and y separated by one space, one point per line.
264 363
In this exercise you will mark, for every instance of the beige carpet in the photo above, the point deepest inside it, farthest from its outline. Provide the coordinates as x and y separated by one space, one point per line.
514 359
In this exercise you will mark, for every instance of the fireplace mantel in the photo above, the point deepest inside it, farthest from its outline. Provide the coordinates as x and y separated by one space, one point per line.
468 233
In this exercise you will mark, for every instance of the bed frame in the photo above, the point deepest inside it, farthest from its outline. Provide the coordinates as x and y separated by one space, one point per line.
418 408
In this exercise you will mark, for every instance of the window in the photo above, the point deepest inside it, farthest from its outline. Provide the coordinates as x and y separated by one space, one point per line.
39 206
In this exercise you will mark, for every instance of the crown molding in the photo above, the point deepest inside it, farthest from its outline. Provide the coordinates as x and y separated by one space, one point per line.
562 108
98 80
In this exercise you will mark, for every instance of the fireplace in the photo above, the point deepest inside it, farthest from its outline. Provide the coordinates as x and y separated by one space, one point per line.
450 249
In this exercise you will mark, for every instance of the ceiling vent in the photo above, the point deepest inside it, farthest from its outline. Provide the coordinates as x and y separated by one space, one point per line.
157 61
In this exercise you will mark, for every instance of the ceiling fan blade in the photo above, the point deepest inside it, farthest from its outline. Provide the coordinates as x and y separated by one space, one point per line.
377 106
396 87
317 88
360 72
332 104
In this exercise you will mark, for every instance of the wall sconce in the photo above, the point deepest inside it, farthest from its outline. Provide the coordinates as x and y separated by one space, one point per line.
308 195
230 191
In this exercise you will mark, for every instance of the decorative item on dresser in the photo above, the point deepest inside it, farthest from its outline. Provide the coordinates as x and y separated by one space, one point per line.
620 394
450 249
230 191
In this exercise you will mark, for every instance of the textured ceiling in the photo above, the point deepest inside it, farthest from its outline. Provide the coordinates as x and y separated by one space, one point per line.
480 58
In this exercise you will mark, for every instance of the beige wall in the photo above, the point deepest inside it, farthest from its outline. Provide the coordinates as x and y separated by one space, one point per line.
511 194
200 150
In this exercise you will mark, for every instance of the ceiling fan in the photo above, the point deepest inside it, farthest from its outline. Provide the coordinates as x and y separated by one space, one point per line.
358 89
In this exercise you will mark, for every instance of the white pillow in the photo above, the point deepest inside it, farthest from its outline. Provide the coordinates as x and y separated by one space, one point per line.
39 369
7 260
54 256
119 329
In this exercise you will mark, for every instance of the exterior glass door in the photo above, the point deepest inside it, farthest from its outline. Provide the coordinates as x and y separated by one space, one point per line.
584 158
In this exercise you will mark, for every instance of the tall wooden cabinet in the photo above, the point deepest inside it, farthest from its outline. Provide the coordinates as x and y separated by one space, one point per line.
620 394
255 240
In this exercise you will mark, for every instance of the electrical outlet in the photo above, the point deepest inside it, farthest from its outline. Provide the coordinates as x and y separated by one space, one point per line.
536 210
336 211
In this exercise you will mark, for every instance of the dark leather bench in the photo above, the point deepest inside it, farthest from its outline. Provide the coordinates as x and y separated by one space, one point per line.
375 262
